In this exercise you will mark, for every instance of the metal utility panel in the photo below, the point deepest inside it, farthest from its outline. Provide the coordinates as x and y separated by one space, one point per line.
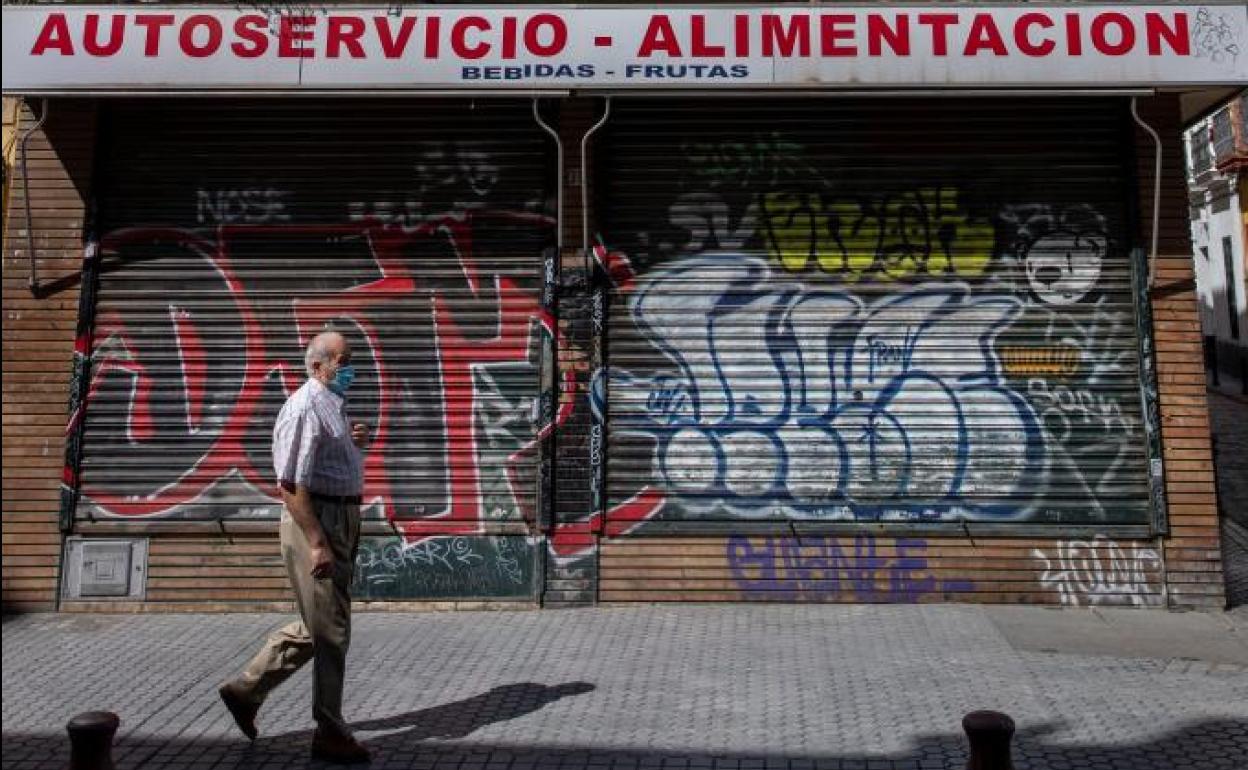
105 569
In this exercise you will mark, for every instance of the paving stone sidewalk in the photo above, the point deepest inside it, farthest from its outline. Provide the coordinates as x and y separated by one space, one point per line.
657 686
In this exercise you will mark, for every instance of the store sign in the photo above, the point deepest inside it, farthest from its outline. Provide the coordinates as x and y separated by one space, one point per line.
293 46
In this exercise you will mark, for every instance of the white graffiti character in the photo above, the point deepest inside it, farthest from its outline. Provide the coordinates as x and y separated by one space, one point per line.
1063 267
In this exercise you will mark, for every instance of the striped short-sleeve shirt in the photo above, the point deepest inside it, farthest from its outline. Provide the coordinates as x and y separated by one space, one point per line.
312 443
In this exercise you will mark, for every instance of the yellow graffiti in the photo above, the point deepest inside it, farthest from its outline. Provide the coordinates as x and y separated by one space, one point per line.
918 234
1025 360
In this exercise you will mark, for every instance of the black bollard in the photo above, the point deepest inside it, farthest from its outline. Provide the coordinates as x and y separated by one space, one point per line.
989 733
91 740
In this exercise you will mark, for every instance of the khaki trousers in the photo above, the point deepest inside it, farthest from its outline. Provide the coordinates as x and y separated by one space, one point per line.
324 631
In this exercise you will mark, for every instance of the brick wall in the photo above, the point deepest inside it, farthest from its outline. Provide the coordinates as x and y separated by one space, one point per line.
1192 552
39 344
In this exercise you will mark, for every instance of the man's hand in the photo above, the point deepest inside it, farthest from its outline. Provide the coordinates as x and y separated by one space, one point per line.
298 502
359 434
322 561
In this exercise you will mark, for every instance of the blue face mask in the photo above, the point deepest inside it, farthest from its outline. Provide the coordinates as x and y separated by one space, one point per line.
342 379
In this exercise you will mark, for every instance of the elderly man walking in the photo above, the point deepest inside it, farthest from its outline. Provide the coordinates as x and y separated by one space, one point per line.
317 453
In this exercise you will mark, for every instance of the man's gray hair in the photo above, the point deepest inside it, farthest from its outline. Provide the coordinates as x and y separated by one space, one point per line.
317 351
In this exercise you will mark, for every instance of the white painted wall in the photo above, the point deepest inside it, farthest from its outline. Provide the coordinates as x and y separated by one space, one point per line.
1214 285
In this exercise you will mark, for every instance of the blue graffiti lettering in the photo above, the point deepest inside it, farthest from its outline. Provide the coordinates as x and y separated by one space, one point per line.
830 568
828 406
669 401
883 352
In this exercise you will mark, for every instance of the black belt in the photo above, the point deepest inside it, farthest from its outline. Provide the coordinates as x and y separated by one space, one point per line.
340 499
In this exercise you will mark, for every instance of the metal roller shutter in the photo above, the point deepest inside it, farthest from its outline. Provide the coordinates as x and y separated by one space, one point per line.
847 310
233 230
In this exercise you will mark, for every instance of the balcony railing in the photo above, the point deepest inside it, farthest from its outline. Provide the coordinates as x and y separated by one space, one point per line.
1228 135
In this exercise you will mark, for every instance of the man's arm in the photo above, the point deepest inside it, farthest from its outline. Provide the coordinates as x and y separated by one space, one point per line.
299 502
295 442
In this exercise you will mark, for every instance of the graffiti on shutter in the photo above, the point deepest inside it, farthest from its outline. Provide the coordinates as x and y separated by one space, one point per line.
425 252
791 344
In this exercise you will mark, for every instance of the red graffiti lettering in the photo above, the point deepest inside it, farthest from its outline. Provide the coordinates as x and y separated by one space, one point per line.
220 426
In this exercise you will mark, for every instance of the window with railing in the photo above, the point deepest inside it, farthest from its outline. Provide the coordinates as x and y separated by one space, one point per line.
1222 134
1202 159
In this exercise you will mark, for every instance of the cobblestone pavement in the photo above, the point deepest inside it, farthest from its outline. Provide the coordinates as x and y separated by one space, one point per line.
1228 417
647 687
1235 562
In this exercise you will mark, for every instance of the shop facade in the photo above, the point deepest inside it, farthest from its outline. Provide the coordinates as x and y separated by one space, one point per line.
624 334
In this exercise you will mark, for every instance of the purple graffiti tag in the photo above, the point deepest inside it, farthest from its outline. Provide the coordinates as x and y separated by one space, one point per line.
823 568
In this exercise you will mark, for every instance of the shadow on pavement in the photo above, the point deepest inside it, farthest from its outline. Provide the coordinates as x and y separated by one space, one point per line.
1235 563
1211 744
458 719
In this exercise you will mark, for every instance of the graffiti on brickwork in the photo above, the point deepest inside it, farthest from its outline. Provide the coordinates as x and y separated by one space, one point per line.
874 417
1101 572
444 567
262 205
913 234
852 568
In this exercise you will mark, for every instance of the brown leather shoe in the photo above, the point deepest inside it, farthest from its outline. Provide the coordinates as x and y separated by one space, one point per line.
242 709
339 749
